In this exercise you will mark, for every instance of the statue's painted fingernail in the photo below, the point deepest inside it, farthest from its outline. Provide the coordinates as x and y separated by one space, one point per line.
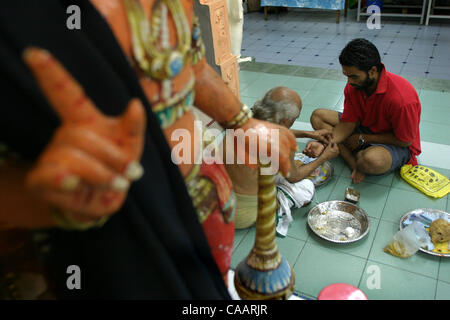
70 183
134 171
120 184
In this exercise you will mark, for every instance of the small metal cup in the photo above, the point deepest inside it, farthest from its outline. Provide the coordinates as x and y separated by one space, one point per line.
352 195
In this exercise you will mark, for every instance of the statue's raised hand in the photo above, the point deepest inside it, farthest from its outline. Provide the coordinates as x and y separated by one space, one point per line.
87 167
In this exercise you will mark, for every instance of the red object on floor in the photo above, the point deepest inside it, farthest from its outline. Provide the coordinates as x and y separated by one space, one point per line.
341 291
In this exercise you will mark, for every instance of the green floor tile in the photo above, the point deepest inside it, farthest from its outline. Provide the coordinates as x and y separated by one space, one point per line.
310 72
333 74
338 166
239 234
382 282
305 296
298 228
384 180
372 196
321 99
399 183
306 112
300 83
360 248
439 115
323 192
443 291
436 85
283 69
444 270
242 251
400 202
263 83
432 99
420 263
290 248
434 132
257 66
331 86
249 101
248 76
318 267
340 105
301 145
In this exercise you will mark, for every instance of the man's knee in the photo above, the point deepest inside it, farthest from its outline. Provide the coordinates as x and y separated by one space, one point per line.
374 161
318 118
321 118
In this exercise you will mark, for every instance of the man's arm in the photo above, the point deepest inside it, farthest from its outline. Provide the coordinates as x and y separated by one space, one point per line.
342 131
322 135
301 133
385 138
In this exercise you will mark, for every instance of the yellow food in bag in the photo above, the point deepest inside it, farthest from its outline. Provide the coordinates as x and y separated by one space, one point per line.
427 180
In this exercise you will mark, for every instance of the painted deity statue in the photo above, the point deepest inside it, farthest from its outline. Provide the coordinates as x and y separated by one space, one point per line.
162 41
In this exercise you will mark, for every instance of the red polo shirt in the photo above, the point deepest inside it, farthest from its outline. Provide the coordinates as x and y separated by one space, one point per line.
393 107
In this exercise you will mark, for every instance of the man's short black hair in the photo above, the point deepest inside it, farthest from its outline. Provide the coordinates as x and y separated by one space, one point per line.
362 54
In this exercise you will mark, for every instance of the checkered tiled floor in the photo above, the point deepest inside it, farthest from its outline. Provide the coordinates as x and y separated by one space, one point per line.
314 39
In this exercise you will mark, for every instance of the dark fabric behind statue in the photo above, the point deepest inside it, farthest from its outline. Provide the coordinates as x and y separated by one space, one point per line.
154 247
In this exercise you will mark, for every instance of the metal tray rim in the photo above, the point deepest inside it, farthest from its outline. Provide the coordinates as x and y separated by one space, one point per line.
403 218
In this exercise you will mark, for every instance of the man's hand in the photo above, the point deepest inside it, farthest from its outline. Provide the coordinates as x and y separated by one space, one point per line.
314 149
87 166
322 135
272 140
357 177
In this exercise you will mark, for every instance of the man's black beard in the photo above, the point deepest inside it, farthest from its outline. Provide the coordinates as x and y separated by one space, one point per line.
366 84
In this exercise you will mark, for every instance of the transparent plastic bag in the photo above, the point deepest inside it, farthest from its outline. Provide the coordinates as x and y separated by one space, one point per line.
407 241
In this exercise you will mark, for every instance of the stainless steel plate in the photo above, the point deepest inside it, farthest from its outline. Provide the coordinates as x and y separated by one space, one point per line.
339 221
322 175
425 216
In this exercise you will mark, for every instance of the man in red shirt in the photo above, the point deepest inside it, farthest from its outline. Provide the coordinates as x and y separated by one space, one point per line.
378 131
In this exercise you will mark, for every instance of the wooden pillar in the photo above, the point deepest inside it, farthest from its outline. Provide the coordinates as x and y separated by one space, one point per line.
221 45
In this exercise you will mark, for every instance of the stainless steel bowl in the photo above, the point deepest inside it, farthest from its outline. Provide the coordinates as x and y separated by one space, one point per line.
339 221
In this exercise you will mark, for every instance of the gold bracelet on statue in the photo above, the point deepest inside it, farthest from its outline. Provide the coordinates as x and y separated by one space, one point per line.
240 119
65 221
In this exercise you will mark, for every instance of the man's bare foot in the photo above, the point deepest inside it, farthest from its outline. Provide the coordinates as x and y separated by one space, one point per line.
314 149
357 176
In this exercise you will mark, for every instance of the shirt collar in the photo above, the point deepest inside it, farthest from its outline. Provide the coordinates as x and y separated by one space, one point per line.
382 81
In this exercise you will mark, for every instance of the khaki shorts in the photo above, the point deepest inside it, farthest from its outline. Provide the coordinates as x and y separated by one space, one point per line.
246 210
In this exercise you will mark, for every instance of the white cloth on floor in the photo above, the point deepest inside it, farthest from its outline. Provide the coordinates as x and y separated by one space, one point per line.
291 195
